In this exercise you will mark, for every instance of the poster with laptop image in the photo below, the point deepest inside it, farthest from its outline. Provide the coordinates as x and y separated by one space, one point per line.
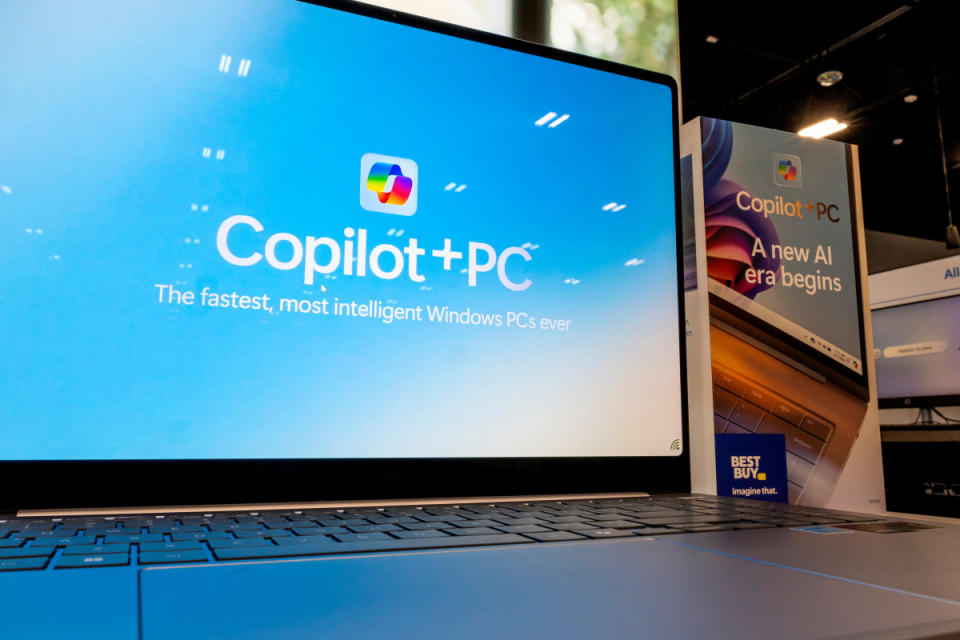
787 334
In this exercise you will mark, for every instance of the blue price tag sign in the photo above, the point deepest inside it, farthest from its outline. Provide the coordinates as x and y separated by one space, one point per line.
752 465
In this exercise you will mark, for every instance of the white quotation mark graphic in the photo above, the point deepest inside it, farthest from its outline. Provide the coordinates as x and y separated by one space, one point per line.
547 117
613 206
242 69
207 151
453 187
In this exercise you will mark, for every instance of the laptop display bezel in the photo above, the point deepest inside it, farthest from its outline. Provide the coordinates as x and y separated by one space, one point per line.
81 484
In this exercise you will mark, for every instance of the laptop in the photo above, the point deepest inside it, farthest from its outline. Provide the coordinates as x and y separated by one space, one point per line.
326 321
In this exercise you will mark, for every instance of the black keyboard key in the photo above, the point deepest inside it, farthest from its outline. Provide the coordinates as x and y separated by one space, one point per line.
478 523
238 526
170 546
772 424
10 543
424 533
173 528
86 550
96 560
655 531
788 413
723 402
164 557
245 542
523 528
264 533
28 552
802 444
362 537
320 531
607 533
682 518
517 521
93 533
440 518
798 469
797 441
398 520
615 524
472 531
21 564
570 526
374 545
62 542
719 424
554 536
762 399
59 533
557 519
733 428
660 513
414 526
817 427
205 535
145 537
298 540
734 385
374 528
746 415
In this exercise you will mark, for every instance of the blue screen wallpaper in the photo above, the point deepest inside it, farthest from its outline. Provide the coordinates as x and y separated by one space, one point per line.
266 229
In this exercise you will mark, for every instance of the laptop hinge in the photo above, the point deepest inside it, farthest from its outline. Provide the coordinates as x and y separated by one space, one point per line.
770 351
343 504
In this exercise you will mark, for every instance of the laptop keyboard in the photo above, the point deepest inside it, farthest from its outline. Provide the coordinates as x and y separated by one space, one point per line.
86 542
739 406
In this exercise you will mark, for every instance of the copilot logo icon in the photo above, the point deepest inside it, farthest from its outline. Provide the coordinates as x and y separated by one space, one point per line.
786 170
388 184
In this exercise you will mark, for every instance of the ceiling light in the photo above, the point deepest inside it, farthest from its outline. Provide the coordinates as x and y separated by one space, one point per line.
829 78
713 39
910 98
823 128
898 141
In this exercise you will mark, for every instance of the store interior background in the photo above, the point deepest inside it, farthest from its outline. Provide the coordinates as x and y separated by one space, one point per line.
758 63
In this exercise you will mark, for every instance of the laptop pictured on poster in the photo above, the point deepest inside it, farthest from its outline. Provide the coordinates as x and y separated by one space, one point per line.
326 321
781 218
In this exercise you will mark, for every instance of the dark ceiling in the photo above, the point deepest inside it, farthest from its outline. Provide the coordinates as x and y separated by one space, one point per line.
763 67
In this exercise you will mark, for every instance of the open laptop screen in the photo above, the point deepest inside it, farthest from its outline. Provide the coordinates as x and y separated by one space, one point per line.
277 230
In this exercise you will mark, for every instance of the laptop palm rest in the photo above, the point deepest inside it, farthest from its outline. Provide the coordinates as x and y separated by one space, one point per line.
925 561
623 588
